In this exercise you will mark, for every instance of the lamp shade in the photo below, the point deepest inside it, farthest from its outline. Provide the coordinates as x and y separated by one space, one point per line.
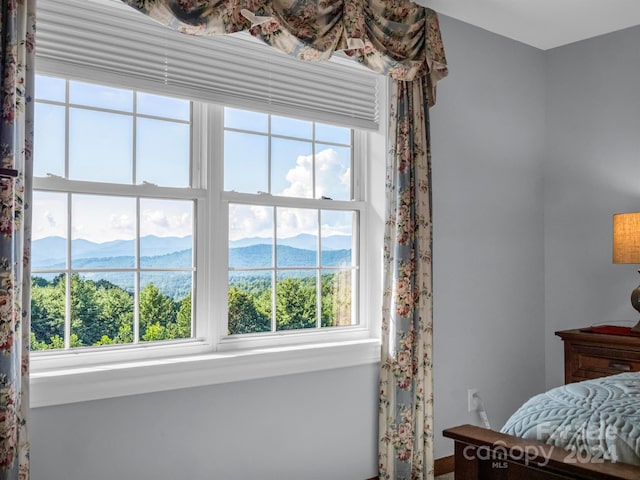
626 237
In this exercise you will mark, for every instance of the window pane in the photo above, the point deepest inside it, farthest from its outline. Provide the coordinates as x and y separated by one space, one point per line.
165 305
100 96
296 300
297 242
337 287
250 302
49 249
166 233
160 106
290 127
103 231
337 237
245 120
101 310
250 236
333 134
163 153
50 88
100 146
246 162
333 172
292 168
49 140
47 311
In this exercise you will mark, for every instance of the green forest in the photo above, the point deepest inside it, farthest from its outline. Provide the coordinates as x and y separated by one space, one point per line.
101 312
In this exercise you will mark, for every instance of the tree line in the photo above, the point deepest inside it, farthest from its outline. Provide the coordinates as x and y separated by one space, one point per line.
296 303
101 312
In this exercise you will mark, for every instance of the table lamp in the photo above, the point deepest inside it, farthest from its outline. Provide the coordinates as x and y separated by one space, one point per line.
626 248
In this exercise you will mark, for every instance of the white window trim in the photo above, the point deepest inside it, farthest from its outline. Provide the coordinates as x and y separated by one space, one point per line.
61 386
82 375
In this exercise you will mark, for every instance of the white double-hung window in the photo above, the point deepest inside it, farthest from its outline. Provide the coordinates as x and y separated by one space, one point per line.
188 218
113 216
293 224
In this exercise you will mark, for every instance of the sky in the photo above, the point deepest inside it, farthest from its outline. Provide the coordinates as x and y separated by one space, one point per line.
101 148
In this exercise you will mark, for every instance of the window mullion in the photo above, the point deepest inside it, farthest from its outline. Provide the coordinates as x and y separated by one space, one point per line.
67 289
66 129
274 274
269 159
134 143
57 184
213 234
136 280
291 202
319 273
67 279
314 151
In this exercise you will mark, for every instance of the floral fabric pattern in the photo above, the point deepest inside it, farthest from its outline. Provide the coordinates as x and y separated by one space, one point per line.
397 38
405 447
16 144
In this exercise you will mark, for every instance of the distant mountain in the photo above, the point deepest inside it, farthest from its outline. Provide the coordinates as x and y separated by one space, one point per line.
50 252
303 241
178 284
180 259
257 256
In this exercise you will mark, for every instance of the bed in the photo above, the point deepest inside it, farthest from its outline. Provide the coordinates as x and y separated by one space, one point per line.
584 430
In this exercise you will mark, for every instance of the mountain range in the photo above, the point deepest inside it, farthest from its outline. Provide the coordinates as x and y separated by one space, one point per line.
175 252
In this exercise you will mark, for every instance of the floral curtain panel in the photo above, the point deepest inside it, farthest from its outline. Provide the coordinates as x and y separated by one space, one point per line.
402 40
405 434
16 142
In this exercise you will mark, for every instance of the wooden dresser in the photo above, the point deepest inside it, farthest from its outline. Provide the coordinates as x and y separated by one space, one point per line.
592 355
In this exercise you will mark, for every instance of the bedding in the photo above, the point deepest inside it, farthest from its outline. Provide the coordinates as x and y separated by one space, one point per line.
594 420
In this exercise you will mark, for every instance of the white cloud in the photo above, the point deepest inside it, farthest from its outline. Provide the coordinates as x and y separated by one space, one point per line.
300 178
168 222
155 218
294 221
121 223
332 178
247 221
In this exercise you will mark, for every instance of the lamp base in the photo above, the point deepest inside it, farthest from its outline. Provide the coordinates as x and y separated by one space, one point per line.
635 303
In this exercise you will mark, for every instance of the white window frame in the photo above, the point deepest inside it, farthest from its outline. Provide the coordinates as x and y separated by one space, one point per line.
259 340
213 356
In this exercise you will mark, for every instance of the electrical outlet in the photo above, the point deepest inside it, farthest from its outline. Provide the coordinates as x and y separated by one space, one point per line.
472 402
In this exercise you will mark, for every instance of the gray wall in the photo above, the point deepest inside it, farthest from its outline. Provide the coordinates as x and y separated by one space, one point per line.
314 426
592 171
488 147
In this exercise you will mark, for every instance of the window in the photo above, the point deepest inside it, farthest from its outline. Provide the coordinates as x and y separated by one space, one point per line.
112 252
293 264
186 230
115 220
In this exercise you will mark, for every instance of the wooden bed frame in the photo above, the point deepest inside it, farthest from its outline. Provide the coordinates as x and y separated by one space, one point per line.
482 454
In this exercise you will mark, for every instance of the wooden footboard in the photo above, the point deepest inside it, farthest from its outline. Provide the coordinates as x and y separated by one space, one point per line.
482 454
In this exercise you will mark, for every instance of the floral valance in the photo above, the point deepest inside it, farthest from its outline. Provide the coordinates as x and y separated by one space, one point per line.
397 38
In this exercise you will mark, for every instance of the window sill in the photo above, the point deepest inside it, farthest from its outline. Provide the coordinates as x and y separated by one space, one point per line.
79 384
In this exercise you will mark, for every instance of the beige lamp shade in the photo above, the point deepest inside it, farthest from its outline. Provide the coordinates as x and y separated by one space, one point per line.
626 237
